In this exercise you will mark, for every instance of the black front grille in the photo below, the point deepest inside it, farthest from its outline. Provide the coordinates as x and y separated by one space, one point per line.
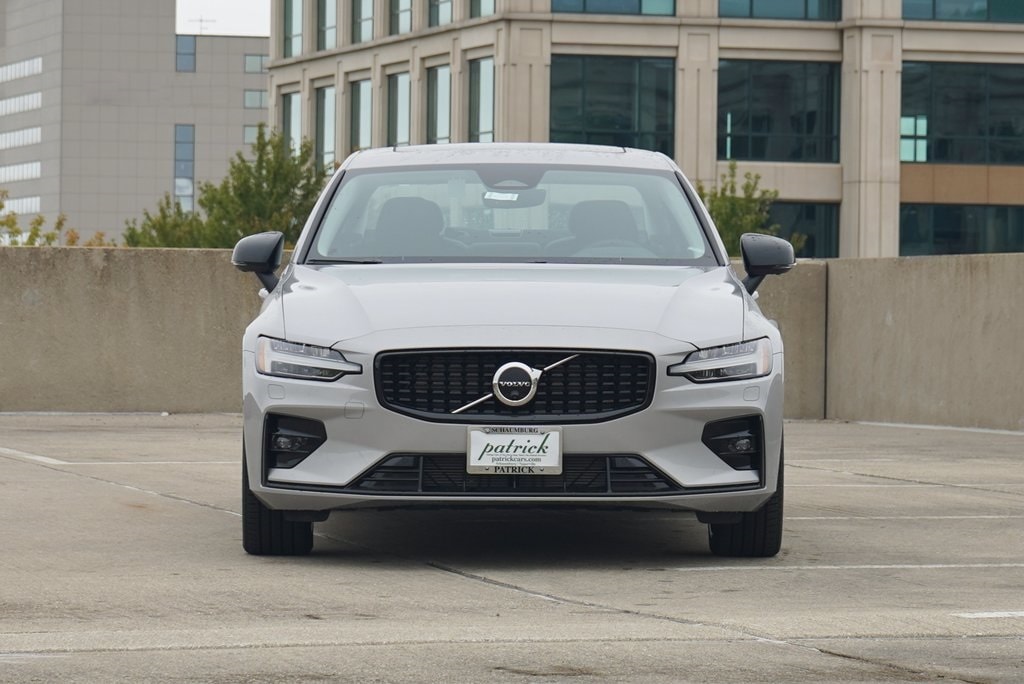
582 474
595 386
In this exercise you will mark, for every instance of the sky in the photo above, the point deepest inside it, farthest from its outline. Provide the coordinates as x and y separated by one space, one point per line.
224 17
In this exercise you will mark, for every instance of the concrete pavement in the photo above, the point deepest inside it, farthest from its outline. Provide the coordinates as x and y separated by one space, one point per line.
121 560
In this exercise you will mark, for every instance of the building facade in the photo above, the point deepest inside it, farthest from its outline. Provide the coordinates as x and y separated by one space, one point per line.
104 109
888 127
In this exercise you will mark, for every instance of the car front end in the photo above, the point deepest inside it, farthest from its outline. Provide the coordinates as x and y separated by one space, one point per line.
483 380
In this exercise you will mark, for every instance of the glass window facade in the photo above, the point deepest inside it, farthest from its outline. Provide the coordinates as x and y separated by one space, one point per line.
439 105
613 101
249 134
360 135
362 20
292 30
398 109
965 10
481 100
326 24
401 17
813 227
481 8
662 7
256 64
440 12
778 111
822 10
962 113
255 99
960 229
291 121
185 165
325 120
185 57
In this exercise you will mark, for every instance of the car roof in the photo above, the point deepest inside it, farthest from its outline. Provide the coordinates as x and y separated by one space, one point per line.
509 153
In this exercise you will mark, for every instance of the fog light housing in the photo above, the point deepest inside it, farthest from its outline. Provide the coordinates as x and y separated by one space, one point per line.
737 441
288 440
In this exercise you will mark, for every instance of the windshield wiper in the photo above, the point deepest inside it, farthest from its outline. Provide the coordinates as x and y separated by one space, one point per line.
321 262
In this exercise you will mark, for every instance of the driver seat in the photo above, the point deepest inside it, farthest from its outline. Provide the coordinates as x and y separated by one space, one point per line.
594 221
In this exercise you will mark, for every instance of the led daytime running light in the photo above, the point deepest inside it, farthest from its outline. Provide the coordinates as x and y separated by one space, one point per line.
752 359
285 359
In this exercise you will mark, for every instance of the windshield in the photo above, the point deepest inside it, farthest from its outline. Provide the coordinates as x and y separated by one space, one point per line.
511 213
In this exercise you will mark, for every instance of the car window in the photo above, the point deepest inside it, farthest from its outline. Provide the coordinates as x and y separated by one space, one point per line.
510 212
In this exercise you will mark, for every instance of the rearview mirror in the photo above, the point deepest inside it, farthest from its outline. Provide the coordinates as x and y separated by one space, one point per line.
764 255
260 254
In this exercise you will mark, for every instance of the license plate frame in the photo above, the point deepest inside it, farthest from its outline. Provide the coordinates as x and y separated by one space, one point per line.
514 450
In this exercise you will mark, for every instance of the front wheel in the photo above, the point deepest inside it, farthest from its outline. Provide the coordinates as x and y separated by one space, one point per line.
266 532
756 535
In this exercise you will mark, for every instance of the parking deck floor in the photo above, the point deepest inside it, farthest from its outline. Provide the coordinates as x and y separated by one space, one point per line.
121 559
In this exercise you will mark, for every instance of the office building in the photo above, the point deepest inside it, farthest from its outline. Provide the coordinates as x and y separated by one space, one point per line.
104 109
888 127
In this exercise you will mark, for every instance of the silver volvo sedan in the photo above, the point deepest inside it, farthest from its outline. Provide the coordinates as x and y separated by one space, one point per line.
511 325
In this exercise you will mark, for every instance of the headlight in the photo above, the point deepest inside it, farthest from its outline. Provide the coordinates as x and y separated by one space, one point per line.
732 362
305 361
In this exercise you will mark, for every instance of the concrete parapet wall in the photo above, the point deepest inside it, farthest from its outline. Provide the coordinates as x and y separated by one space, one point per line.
122 329
920 340
796 302
927 340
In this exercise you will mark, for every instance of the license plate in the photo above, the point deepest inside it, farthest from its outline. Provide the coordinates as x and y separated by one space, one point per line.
514 450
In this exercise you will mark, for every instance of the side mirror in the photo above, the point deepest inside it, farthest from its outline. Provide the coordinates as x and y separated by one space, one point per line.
764 255
260 254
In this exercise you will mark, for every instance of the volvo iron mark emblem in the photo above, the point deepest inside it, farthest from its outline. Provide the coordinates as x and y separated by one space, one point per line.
515 383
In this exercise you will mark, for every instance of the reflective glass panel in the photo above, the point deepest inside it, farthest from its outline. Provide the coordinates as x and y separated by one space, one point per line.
778 111
960 229
398 109
325 120
439 99
613 101
481 100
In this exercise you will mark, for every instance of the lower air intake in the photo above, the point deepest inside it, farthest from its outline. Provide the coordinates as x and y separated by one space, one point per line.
582 474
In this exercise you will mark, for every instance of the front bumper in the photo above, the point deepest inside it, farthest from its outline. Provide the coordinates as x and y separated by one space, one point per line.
361 435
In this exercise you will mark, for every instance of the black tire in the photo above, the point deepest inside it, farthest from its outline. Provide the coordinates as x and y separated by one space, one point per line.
265 532
757 534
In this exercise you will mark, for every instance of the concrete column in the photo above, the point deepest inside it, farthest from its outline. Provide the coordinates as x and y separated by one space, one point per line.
309 21
379 108
460 91
524 98
520 6
276 28
697 103
705 9
870 140
344 23
872 9
420 15
381 18
417 95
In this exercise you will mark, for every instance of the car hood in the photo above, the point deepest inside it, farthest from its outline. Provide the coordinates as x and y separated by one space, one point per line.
330 304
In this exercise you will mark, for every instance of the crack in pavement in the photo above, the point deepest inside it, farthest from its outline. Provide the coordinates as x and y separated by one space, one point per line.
122 485
742 634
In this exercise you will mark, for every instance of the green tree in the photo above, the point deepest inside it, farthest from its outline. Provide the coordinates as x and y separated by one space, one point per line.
170 226
740 208
272 190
